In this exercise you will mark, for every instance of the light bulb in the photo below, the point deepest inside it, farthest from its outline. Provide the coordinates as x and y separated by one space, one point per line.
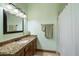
21 14
16 11
24 16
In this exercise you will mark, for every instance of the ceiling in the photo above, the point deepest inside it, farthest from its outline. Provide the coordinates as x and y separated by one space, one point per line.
24 6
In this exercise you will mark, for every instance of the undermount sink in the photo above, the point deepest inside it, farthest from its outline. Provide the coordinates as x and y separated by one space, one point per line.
22 41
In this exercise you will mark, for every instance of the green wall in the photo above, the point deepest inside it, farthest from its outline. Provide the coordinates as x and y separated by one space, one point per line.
43 14
60 7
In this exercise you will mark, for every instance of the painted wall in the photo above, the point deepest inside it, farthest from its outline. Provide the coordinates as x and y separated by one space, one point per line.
10 36
61 6
43 14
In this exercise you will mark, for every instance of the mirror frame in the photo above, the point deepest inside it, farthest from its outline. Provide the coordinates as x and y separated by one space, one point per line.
5 25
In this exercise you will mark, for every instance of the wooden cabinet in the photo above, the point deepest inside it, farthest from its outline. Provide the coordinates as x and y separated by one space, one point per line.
28 50
20 53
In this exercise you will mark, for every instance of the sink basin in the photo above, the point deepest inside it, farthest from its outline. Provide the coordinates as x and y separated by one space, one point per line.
22 41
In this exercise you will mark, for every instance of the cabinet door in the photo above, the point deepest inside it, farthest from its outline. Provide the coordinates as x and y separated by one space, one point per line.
30 48
34 46
20 53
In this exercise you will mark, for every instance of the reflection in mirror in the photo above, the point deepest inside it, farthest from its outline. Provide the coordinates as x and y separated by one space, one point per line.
12 23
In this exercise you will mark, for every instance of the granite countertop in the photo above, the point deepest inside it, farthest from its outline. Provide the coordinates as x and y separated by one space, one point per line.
13 47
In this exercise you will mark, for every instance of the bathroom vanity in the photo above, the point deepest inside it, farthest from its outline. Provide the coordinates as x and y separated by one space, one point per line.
25 46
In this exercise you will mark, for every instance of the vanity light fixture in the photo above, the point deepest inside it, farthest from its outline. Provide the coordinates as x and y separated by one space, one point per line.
24 16
16 11
8 7
21 14
11 8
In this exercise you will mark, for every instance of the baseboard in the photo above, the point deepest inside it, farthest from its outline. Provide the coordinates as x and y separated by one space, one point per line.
45 50
48 51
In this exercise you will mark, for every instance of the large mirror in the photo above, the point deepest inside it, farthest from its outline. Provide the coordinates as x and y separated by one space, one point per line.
12 23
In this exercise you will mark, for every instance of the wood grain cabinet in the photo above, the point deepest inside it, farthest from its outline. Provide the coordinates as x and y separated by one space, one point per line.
20 53
28 50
